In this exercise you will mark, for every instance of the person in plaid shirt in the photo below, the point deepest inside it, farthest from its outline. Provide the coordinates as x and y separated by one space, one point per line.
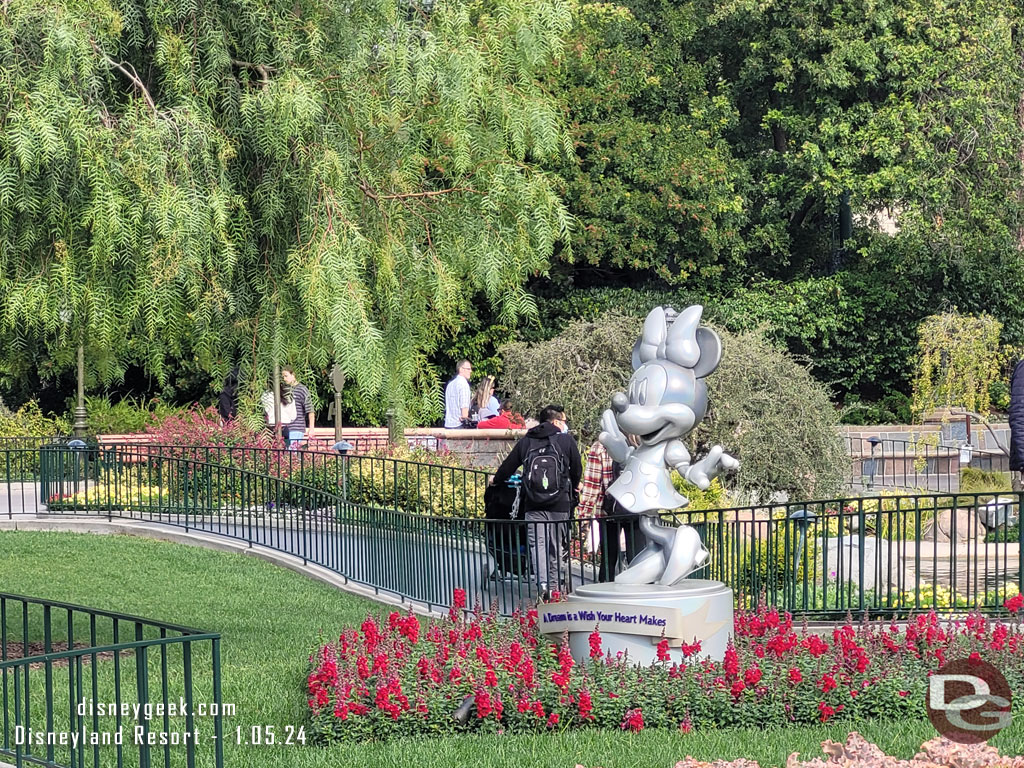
610 518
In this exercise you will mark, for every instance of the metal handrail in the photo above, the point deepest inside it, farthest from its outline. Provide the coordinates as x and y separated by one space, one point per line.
155 668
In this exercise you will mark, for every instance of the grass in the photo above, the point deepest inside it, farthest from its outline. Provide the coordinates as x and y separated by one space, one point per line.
270 618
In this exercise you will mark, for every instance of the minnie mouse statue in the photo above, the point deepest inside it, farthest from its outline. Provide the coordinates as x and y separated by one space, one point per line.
667 399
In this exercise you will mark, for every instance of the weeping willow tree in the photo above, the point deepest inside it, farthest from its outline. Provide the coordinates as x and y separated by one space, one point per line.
296 181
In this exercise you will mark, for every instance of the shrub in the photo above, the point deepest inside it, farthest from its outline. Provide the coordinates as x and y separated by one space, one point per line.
126 416
974 480
769 412
394 677
580 368
29 421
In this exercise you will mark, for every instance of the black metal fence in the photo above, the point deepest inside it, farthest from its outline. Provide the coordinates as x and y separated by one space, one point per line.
419 531
84 687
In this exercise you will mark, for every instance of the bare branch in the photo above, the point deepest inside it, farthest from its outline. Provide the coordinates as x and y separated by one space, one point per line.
130 74
431 193
264 70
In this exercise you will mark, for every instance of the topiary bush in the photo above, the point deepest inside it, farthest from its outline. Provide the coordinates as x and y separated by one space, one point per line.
580 368
769 412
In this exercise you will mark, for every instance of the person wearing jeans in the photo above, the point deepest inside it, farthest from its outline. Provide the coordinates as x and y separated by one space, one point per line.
547 523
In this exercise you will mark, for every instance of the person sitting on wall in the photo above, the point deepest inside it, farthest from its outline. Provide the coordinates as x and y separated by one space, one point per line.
485 404
502 421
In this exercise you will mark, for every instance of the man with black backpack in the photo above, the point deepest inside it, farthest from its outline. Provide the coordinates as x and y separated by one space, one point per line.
551 472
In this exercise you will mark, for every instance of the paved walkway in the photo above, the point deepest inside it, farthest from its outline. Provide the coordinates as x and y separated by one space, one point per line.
387 562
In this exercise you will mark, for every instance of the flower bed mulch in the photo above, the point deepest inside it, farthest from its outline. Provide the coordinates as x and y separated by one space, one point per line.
478 672
14 651
857 752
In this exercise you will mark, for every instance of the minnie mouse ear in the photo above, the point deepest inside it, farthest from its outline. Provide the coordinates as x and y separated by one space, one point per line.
651 344
710 352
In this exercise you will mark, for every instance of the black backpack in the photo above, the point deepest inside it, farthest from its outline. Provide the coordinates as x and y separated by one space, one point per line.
545 476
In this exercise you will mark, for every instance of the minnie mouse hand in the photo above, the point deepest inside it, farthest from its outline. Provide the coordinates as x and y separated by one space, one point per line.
612 439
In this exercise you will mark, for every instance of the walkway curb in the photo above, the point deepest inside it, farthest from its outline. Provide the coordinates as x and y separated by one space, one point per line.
144 529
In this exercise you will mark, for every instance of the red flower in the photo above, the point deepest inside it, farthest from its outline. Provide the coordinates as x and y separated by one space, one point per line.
731 663
586 706
827 683
633 721
1015 603
752 676
826 711
663 654
553 720
595 644
795 675
690 650
737 688
815 646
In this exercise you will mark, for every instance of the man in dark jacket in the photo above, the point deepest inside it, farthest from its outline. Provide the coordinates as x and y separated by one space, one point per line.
547 450
1016 418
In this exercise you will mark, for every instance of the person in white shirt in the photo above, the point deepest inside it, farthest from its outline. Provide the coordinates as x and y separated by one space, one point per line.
458 396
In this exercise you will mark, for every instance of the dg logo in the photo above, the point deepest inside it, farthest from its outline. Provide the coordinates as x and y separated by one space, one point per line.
968 701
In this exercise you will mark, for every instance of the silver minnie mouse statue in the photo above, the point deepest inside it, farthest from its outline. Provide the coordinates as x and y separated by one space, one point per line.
667 399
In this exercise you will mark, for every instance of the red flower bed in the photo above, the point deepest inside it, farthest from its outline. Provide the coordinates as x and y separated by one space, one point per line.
479 672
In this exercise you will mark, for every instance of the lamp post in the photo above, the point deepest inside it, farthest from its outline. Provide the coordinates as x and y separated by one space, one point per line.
872 467
81 425
342 447
802 517
338 380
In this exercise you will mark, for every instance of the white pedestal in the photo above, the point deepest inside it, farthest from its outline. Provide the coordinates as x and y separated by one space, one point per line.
634 617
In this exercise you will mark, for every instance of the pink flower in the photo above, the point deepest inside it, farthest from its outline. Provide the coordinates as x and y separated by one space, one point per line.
633 721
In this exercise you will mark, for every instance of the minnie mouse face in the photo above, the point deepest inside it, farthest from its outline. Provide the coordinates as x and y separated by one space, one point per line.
664 401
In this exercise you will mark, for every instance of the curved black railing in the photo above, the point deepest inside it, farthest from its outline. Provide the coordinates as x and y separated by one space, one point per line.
396 527
86 687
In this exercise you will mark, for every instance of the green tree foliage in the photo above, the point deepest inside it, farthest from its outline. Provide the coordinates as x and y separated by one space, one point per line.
959 360
910 105
299 181
656 187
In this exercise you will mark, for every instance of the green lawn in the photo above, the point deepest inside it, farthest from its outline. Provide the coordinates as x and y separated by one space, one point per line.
270 617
